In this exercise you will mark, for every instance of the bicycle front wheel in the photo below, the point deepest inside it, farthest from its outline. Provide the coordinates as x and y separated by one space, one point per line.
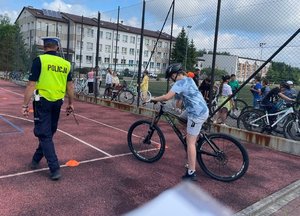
146 142
126 96
292 128
222 157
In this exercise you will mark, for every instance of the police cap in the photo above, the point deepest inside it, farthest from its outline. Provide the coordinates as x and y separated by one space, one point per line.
51 40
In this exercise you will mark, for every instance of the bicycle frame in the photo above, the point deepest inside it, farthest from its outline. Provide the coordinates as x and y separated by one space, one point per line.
267 115
168 116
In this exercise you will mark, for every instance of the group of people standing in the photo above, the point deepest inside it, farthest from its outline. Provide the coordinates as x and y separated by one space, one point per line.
265 97
111 79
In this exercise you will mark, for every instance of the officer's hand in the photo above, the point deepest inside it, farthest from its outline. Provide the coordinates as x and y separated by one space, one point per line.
69 109
25 111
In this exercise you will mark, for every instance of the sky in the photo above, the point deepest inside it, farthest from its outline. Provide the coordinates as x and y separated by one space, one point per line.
244 24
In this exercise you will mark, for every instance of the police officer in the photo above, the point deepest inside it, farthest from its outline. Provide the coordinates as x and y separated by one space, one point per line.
49 80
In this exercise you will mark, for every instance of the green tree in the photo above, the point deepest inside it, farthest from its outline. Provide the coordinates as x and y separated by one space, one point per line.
279 71
179 49
191 56
13 53
218 73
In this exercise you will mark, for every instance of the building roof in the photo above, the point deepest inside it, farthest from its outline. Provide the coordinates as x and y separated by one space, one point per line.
64 17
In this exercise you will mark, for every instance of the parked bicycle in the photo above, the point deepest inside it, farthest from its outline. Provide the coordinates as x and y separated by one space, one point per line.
262 121
119 93
80 86
220 156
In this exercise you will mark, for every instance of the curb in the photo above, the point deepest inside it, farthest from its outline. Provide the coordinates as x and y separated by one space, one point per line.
274 202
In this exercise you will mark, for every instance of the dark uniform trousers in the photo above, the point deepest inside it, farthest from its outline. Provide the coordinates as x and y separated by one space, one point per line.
46 115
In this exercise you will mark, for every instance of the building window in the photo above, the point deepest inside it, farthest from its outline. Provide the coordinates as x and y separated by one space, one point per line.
88 59
132 39
159 44
117 49
89 46
99 59
144 64
123 61
158 65
124 51
165 55
100 47
147 42
107 48
117 37
108 35
158 54
101 34
125 38
78 43
115 61
164 65
146 53
153 42
79 30
151 64
106 60
130 62
166 44
78 57
90 32
131 51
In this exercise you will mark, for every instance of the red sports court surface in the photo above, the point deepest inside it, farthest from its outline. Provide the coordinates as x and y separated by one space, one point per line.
109 180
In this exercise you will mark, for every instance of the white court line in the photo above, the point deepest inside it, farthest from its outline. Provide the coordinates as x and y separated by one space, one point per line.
80 140
43 169
11 91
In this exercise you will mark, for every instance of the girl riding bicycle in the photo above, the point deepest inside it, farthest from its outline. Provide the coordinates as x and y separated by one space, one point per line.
195 108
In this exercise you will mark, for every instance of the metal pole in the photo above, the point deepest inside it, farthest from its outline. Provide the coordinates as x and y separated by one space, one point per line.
214 55
117 39
97 57
141 54
81 35
68 42
187 44
171 40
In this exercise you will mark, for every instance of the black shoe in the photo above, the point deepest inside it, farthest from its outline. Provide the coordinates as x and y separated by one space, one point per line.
55 175
192 177
34 165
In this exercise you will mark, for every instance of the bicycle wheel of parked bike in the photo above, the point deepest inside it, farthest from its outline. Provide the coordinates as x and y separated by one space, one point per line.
126 96
239 105
145 142
108 92
292 128
252 120
148 96
222 157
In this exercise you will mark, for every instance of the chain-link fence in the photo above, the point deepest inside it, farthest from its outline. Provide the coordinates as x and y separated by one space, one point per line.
249 33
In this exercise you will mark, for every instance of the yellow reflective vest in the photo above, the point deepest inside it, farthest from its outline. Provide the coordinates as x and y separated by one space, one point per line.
52 82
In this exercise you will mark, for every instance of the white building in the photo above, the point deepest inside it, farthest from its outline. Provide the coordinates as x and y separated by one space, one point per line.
35 24
240 66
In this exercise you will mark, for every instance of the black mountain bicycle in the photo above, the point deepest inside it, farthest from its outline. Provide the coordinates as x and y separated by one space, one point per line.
220 156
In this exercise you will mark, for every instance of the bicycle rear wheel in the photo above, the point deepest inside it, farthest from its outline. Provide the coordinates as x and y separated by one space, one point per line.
126 96
252 120
239 105
145 142
292 128
222 157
